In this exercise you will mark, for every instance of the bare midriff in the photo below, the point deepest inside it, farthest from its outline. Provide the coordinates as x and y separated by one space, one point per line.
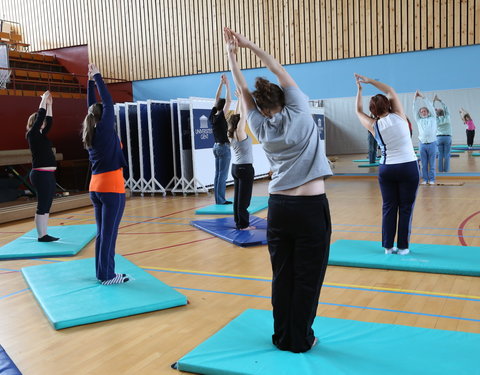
314 187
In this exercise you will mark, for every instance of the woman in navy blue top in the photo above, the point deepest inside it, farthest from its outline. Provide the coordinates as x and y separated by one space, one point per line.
107 188
43 164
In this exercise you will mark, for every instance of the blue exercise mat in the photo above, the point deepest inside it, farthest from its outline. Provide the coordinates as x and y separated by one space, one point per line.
225 229
70 295
448 259
256 204
465 147
368 165
73 238
7 367
244 346
362 160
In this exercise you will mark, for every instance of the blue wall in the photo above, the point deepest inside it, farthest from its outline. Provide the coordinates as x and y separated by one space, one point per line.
439 69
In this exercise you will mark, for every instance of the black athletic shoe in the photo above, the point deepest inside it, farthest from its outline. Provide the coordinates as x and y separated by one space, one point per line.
48 238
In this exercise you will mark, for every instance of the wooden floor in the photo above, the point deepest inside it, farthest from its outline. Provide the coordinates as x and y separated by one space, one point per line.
155 234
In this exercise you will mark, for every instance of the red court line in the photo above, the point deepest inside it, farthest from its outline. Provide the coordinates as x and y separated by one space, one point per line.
10 232
4 273
155 218
167 247
461 227
178 231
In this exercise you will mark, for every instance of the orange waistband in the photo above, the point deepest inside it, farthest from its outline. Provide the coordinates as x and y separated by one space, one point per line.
108 182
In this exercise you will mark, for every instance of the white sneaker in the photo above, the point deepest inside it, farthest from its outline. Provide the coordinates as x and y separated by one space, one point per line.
424 183
392 250
403 251
431 183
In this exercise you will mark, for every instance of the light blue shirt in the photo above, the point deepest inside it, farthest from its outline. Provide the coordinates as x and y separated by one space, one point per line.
427 126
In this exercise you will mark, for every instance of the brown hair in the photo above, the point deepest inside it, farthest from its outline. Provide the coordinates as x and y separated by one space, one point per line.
232 121
379 104
93 116
268 95
467 117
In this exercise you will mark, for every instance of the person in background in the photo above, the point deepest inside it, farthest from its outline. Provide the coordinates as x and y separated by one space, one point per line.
426 120
242 166
44 164
398 173
107 188
372 148
221 148
444 134
467 119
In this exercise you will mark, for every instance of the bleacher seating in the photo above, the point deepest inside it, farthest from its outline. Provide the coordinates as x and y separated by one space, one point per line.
34 73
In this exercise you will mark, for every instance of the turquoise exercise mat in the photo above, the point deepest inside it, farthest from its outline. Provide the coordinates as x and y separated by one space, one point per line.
475 153
70 295
368 165
448 259
7 367
244 346
362 160
73 238
256 204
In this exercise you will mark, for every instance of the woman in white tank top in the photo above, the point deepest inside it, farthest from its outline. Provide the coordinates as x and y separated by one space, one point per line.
398 172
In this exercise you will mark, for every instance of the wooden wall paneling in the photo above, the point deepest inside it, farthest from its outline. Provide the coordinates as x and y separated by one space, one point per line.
105 24
443 23
457 23
263 22
334 28
392 27
436 22
386 27
430 24
356 16
362 33
328 27
477 21
450 23
402 6
154 42
464 22
254 7
373 26
208 47
410 24
423 24
471 22
303 10
291 31
312 46
345 29
380 27
368 27
323 29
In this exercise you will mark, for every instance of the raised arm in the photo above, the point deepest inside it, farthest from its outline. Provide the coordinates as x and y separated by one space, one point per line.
388 90
231 45
442 104
365 120
107 102
270 62
228 96
219 90
49 115
241 133
42 111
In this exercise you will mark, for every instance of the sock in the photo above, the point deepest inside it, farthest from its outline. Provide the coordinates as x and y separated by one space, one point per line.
48 238
40 221
119 278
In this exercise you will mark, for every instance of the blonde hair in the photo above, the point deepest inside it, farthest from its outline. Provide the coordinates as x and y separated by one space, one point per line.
93 116
31 120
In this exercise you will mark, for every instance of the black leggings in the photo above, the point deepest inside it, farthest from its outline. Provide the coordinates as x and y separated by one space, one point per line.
470 137
298 235
243 175
44 183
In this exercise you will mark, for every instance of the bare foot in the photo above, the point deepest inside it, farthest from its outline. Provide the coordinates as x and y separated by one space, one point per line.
249 228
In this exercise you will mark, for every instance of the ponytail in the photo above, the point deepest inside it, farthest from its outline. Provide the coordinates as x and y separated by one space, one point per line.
232 124
268 95
93 116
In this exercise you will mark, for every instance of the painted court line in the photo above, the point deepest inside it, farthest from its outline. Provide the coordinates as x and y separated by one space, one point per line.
328 285
14 293
338 304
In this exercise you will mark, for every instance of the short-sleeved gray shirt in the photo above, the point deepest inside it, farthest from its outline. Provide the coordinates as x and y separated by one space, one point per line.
291 140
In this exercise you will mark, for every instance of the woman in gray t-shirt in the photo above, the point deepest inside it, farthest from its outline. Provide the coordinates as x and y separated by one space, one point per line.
299 225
